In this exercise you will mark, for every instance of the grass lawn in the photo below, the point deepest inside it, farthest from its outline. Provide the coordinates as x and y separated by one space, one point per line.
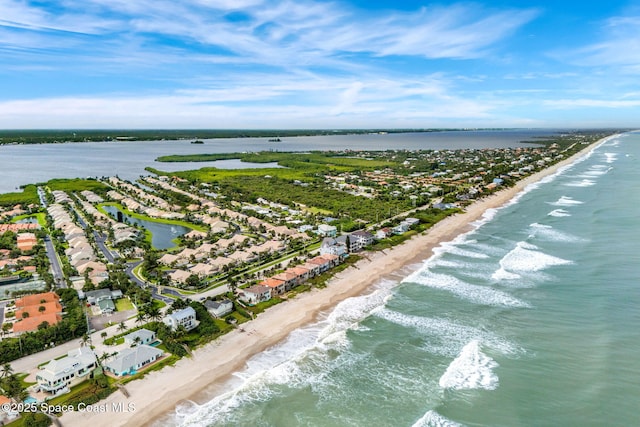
124 304
150 219
40 217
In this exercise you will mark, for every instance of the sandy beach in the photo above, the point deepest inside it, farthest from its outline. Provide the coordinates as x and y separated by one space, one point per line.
159 392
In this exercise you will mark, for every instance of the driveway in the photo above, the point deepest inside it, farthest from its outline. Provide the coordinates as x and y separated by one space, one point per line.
100 322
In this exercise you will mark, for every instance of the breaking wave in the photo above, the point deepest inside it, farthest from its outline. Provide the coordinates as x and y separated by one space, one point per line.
434 419
472 369
525 258
473 293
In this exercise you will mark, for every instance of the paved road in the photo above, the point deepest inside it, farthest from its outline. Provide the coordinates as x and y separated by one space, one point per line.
142 284
2 305
101 242
58 275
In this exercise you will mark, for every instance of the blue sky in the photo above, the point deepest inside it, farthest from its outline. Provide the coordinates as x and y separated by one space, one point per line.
318 64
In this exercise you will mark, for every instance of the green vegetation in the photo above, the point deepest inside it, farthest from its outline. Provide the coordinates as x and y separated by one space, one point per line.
300 166
132 214
123 304
77 185
41 217
28 196
292 160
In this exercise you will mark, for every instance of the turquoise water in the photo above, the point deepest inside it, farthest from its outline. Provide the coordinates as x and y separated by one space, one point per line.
529 320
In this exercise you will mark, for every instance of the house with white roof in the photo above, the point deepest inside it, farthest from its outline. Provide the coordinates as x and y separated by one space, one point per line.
131 360
185 317
140 337
219 308
59 375
327 230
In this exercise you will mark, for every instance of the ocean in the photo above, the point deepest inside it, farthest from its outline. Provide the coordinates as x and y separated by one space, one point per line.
530 319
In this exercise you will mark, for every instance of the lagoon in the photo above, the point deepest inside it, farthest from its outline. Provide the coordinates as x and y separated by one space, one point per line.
162 234
27 164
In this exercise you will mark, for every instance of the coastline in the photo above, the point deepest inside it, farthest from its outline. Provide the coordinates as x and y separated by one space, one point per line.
159 392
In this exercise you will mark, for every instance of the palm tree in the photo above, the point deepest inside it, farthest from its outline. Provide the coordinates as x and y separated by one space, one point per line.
122 327
7 370
141 317
154 313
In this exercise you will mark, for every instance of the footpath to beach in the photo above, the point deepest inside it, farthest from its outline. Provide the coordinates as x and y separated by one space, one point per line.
159 392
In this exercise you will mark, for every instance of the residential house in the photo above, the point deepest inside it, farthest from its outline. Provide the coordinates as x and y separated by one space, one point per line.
302 274
219 308
185 317
59 375
277 286
140 337
103 298
255 294
322 264
131 360
290 279
403 227
383 233
179 276
7 412
327 230
203 270
359 240
335 246
26 241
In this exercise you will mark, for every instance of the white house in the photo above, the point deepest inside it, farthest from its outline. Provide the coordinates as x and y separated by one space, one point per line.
327 230
59 375
256 294
334 246
185 317
140 337
359 239
219 308
131 360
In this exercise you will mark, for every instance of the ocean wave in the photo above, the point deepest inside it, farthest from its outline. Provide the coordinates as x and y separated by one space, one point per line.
525 258
581 183
471 370
559 213
473 293
301 360
433 419
446 337
547 232
566 201
455 249
610 157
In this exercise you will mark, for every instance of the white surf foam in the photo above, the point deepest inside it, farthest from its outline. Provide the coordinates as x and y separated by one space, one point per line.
454 249
548 233
447 338
559 213
581 183
434 419
471 370
566 201
301 360
525 258
473 293
610 157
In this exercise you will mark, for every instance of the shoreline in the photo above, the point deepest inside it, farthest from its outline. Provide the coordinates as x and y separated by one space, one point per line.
157 395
